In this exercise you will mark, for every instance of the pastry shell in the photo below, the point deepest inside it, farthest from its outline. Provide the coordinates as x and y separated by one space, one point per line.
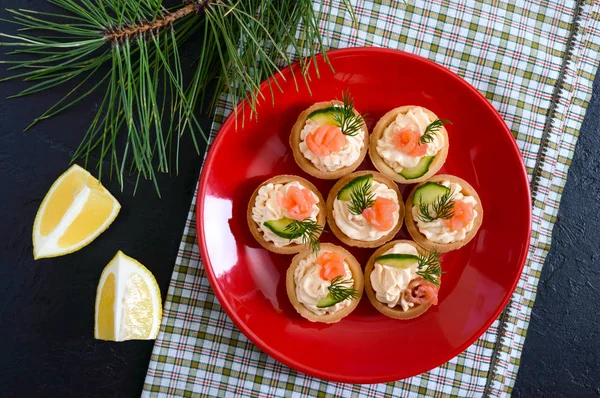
257 232
306 164
357 276
418 237
333 195
395 312
382 166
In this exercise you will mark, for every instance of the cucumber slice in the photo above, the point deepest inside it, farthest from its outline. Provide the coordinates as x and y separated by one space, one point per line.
397 260
324 116
420 169
326 301
346 191
429 192
279 227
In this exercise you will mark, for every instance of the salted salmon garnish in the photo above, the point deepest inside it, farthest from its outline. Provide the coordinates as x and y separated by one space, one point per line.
420 291
381 214
332 265
297 202
420 150
407 141
463 215
325 140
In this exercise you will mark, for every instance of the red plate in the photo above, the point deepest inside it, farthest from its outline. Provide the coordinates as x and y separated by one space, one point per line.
366 347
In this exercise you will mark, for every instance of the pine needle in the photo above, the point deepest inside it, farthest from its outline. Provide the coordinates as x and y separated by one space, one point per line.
146 103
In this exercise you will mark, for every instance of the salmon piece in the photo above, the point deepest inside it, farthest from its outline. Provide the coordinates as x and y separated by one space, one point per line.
408 141
297 202
463 215
325 140
381 214
420 150
332 265
419 291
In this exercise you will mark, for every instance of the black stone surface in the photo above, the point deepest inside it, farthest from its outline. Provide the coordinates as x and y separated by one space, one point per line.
561 356
47 306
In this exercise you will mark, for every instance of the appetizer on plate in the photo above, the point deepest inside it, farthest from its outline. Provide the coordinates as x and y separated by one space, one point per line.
286 214
324 286
409 144
330 139
402 280
365 209
443 213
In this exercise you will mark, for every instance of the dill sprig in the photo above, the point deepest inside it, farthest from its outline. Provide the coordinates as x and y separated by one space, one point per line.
429 267
442 207
346 119
341 289
309 230
432 129
361 198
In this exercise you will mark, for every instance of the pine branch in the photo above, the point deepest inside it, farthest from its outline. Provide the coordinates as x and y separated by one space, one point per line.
146 106
157 24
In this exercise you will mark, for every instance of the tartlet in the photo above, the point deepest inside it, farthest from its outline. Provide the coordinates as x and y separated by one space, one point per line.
267 229
359 221
415 119
397 311
304 265
417 227
315 116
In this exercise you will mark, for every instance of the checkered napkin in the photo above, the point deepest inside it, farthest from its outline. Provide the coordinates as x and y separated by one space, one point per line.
535 62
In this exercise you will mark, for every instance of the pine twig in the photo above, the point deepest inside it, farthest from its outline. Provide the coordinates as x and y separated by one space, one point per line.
146 106
157 24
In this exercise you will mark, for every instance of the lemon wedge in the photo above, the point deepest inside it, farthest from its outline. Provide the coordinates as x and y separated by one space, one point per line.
76 209
128 303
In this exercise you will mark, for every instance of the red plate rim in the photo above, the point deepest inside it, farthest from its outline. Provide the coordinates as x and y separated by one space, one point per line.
201 194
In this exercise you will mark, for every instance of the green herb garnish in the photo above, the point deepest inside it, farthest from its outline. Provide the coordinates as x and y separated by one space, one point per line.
345 118
340 291
309 230
361 198
431 129
442 207
430 268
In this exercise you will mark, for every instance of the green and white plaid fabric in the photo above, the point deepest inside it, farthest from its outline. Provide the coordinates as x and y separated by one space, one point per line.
535 62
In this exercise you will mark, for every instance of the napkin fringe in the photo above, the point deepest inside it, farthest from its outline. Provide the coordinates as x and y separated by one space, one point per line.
556 96
495 377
